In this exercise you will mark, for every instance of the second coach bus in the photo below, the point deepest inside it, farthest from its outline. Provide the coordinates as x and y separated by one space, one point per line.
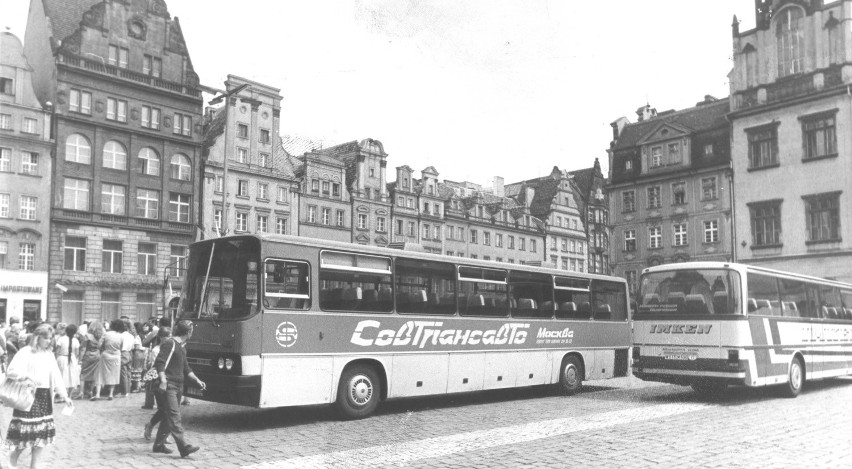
712 324
287 321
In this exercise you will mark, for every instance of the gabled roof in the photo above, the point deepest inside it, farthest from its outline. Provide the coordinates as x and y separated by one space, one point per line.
297 145
698 118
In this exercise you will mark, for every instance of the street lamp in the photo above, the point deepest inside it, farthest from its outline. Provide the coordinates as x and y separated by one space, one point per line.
226 96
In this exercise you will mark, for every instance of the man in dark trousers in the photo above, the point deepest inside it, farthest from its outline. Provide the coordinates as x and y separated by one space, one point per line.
173 368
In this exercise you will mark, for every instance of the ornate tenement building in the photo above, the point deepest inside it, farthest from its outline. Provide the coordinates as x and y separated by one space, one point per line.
593 202
127 125
669 188
25 168
791 113
324 204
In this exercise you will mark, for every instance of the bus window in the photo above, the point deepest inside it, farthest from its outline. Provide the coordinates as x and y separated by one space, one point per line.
530 295
573 300
610 301
354 282
830 304
224 280
794 298
846 310
286 285
483 292
694 292
763 298
425 287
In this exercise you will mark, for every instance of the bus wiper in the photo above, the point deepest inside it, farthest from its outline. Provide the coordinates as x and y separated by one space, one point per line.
206 280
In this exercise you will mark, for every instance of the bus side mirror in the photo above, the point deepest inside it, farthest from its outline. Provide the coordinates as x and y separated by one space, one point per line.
752 305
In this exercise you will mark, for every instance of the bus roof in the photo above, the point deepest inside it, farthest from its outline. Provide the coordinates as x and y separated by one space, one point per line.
742 268
385 251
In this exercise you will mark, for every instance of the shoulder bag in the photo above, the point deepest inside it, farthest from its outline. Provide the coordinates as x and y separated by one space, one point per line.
152 374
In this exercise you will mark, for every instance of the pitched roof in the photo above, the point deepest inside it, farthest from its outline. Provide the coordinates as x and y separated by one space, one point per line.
703 117
297 145
66 15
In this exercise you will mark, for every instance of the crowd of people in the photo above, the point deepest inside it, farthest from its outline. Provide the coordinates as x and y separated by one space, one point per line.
97 362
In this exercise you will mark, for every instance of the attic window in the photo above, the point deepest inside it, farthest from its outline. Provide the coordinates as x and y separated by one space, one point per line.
628 165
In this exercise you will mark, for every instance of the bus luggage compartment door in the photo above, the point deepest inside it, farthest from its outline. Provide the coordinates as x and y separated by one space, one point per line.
289 381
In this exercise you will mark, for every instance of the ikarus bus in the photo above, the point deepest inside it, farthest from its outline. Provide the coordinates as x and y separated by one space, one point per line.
710 325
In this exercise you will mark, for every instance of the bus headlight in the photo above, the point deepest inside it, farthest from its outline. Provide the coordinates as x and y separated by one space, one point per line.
229 364
221 363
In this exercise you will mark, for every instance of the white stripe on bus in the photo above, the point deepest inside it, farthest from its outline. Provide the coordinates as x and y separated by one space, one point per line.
399 454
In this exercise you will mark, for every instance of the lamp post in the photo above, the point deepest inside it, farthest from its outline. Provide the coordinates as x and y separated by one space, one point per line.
226 96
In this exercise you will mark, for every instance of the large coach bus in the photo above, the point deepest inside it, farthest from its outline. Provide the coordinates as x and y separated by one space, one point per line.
713 324
287 321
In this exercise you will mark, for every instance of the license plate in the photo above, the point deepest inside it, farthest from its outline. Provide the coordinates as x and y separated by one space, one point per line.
194 391
679 356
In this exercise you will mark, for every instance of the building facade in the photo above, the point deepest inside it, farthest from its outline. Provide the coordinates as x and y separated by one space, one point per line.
669 188
324 203
791 114
593 200
127 125
25 169
260 185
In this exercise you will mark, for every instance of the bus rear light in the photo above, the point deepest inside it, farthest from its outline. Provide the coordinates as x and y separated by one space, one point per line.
229 364
221 363
636 353
733 357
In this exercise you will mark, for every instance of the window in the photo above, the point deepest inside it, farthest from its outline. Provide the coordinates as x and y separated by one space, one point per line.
340 215
655 237
763 147
182 124
147 259
5 159
628 201
217 219
7 86
533 245
29 162
242 155
486 238
436 233
765 223
362 221
281 226
4 251
708 153
75 253
790 40
181 168
426 228
312 213
314 185
678 193
325 187
282 194
115 156
460 232
326 216
72 306
118 56
380 224
145 305
116 110
656 157
77 149
630 240
76 194
151 117
711 231
179 207
674 153
708 188
242 131
149 162
152 65
242 221
112 256
262 191
822 213
679 230
5 121
80 101
483 292
177 260
110 306
411 228
264 136
498 240
522 244
220 184
26 256
654 199
30 126
287 285
147 203
473 236
113 199
264 160
4 205
335 189
242 188
262 224
353 282
819 136
511 242
425 287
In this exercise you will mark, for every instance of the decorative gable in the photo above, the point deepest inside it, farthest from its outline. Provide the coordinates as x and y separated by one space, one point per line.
664 131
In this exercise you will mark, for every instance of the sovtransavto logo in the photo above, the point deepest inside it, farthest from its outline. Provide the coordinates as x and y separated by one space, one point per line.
286 334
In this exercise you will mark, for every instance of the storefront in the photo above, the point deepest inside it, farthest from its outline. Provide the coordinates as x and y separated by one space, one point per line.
23 295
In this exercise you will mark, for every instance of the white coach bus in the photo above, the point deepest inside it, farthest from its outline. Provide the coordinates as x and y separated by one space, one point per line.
713 324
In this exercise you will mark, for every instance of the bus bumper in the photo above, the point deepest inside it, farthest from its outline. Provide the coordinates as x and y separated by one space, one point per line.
686 372
239 390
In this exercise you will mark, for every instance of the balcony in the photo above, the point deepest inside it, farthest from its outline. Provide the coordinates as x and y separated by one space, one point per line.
103 219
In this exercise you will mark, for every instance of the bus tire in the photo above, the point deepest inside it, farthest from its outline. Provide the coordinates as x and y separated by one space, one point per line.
571 376
358 393
709 388
795 378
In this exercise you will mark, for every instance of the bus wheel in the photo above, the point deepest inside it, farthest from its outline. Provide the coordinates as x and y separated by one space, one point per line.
571 376
358 393
709 388
795 379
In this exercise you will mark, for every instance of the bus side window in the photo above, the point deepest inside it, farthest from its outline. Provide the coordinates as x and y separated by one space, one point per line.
287 285
794 298
763 297
610 301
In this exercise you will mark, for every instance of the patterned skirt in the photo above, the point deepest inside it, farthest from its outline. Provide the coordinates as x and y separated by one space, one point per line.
34 428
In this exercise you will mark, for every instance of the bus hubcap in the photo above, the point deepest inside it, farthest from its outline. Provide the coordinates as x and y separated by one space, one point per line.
795 376
362 390
571 375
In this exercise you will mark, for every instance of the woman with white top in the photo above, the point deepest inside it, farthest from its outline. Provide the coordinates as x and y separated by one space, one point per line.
35 428
67 350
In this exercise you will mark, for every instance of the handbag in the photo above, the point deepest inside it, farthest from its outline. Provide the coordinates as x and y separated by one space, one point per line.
18 393
152 375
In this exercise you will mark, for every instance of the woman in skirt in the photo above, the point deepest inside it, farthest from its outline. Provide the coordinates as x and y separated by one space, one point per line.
35 428
67 350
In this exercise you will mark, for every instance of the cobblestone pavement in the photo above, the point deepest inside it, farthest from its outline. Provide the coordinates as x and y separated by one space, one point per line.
622 422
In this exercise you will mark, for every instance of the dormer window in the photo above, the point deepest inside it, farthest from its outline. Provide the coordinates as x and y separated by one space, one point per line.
628 165
656 156
674 153
789 37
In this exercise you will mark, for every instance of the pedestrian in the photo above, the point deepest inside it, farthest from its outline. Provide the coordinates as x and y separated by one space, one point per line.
108 372
162 335
35 428
168 394
67 351
91 349
128 340
12 337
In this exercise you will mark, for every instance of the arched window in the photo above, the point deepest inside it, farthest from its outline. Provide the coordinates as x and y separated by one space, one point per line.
149 162
78 149
115 156
835 40
750 55
180 167
790 39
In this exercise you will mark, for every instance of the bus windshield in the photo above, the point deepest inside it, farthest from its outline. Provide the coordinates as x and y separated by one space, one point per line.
222 280
693 292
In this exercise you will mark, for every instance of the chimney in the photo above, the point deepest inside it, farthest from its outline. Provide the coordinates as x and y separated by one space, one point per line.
646 112
497 186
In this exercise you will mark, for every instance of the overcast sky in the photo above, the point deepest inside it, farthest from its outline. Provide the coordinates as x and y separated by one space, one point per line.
475 88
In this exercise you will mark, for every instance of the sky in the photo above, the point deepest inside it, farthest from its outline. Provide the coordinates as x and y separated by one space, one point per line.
475 88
